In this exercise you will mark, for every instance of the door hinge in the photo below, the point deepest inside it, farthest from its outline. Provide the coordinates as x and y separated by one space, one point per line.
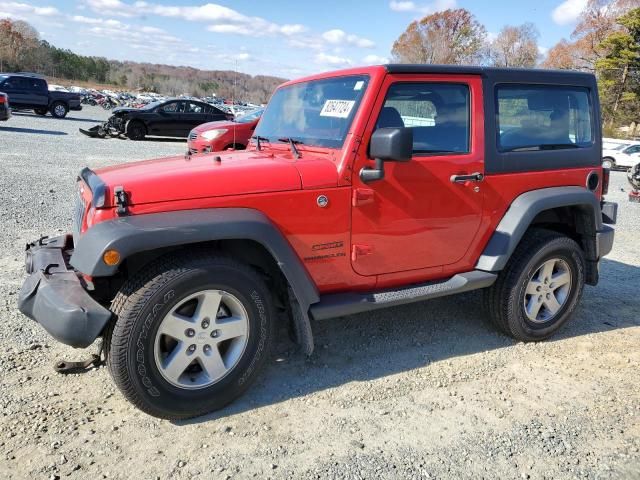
362 196
360 251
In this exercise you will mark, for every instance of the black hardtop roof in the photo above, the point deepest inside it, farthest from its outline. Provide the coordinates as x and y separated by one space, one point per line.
509 74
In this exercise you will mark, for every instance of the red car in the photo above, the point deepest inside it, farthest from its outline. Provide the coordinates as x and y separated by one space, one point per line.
361 189
223 135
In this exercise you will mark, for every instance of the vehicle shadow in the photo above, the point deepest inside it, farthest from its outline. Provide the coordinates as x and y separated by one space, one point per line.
49 117
31 130
374 345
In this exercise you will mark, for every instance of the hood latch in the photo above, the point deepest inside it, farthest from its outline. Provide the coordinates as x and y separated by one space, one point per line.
121 200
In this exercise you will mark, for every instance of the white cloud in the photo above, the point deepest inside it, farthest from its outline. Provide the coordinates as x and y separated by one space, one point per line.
402 6
374 60
221 19
568 11
331 60
16 9
423 9
542 50
337 37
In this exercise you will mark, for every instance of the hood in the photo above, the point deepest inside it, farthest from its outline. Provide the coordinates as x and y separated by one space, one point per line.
124 110
201 176
213 125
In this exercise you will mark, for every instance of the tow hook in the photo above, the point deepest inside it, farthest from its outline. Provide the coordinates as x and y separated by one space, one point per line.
66 367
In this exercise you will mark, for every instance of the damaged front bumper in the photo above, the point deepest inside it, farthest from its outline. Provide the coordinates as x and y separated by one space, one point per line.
53 295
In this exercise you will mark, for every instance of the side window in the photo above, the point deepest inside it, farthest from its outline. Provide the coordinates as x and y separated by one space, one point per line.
40 85
538 117
194 108
438 114
633 149
173 107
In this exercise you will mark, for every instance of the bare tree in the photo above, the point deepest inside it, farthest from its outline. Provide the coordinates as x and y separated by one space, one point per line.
515 46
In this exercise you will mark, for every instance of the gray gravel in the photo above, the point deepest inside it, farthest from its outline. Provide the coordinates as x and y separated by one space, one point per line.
422 391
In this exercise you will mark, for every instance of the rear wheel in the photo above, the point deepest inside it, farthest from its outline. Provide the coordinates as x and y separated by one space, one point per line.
136 130
191 335
59 110
540 287
609 163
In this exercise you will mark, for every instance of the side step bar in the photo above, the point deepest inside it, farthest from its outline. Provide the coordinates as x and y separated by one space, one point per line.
340 304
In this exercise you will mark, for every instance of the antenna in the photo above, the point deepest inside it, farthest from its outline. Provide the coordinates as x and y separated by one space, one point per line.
233 102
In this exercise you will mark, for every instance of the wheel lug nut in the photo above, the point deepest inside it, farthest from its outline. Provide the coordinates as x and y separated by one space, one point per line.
205 323
207 348
190 332
548 296
192 348
215 333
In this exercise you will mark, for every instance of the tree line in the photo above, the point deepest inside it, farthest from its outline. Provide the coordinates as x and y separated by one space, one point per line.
22 50
605 41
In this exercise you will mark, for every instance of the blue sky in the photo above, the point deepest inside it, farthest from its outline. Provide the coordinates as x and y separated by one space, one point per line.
287 38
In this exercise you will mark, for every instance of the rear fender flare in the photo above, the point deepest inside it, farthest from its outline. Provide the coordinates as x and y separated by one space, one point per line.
521 213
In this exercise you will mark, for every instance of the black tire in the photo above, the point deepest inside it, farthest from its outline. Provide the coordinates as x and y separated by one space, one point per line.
136 130
59 109
504 300
40 111
144 301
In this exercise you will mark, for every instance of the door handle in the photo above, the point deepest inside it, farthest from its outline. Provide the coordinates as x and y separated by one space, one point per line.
474 177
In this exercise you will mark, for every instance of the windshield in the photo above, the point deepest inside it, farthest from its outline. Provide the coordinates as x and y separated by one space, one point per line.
250 116
317 113
3 78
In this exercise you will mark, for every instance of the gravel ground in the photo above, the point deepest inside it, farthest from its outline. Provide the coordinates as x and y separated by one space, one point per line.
422 391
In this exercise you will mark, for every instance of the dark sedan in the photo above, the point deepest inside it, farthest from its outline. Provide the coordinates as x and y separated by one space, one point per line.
5 111
170 118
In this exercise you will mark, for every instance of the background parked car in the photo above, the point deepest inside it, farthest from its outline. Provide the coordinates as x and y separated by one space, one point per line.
5 111
170 118
623 155
224 135
31 92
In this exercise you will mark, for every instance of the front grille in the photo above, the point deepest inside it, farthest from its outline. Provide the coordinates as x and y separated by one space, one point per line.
193 135
79 208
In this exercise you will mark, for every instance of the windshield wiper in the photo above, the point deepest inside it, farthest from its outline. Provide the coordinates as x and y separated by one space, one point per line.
293 143
258 138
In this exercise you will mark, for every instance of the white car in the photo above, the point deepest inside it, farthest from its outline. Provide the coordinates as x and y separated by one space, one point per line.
621 155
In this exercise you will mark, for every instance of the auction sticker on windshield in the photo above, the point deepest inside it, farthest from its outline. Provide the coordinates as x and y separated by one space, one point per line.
337 108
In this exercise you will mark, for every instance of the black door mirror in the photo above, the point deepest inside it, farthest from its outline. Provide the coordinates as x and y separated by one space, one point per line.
388 145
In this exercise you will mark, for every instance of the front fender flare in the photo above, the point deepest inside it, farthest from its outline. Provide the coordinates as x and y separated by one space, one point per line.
139 233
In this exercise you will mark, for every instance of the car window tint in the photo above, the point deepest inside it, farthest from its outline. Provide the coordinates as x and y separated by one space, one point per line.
633 149
543 117
171 107
438 114
194 108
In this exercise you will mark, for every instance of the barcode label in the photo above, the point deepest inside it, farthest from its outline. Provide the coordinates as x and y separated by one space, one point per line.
337 108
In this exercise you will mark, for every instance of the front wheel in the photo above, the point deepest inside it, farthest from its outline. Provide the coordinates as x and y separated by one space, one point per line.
609 163
136 130
192 333
540 287
59 110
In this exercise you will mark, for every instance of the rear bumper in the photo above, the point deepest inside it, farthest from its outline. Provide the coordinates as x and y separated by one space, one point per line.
75 108
5 114
604 240
53 295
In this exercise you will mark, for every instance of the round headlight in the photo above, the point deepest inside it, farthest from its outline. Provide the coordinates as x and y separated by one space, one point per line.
211 134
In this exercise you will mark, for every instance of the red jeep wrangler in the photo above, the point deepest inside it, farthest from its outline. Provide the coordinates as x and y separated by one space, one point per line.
362 189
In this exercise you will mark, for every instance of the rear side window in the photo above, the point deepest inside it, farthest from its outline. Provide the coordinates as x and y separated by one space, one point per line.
438 114
536 117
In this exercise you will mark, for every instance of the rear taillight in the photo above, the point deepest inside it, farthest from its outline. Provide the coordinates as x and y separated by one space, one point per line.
3 99
605 181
